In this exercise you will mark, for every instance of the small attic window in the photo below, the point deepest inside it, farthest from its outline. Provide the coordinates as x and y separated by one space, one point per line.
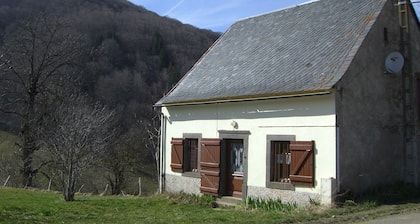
386 35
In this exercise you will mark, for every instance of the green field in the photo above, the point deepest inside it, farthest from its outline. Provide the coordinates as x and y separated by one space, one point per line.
35 206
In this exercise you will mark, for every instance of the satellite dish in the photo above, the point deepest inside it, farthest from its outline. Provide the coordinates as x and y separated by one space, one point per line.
394 62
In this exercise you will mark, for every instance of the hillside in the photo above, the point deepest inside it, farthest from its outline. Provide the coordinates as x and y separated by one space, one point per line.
133 44
129 57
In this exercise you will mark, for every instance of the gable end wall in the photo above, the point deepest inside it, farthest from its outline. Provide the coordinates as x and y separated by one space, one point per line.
370 113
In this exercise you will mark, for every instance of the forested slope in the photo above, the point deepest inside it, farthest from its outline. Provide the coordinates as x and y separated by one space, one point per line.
130 58
138 54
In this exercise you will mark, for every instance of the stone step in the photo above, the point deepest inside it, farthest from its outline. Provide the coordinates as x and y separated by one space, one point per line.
227 201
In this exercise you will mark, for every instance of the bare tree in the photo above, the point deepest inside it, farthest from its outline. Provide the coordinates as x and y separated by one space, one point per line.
151 137
117 163
35 57
76 133
127 159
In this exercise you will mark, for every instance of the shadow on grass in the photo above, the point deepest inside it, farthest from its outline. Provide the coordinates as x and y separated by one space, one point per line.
395 194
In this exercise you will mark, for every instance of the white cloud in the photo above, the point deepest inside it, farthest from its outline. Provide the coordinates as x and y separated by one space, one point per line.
210 16
174 7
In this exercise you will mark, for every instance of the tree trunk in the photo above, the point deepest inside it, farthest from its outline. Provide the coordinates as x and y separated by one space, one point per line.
27 137
116 184
27 155
27 168
69 184
69 192
68 195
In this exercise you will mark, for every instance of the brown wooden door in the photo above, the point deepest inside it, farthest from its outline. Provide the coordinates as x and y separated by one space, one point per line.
234 167
210 166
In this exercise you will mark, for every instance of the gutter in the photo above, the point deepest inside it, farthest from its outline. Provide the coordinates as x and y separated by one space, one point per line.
162 154
246 98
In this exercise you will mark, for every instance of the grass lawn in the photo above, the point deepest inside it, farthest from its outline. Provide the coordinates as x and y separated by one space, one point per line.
34 206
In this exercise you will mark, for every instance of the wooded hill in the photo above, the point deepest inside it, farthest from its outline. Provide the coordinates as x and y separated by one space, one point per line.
139 55
127 58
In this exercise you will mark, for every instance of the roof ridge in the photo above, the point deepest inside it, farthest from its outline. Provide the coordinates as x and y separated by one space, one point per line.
277 10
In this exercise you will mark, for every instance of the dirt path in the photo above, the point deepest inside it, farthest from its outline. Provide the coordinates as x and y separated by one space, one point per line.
388 214
406 218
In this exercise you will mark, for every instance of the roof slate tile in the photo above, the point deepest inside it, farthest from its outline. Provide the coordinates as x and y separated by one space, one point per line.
299 49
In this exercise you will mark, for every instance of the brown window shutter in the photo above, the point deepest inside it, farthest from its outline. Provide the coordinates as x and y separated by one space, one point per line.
177 154
302 163
210 166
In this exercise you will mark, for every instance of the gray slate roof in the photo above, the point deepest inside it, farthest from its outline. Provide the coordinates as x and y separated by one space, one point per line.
302 49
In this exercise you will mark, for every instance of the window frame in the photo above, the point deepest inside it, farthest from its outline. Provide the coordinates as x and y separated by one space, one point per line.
190 147
269 140
190 136
280 172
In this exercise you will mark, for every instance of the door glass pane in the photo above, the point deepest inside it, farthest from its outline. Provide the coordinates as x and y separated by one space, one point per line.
237 157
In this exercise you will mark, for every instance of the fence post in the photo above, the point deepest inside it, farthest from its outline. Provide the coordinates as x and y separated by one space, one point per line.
7 180
49 185
139 186
106 189
80 189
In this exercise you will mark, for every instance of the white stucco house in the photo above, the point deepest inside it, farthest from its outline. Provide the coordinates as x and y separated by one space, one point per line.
299 104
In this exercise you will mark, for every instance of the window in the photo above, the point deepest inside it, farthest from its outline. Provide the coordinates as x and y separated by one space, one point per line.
191 155
185 154
280 161
289 162
386 35
237 157
417 101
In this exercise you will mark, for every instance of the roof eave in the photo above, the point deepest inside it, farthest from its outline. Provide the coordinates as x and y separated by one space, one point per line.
246 98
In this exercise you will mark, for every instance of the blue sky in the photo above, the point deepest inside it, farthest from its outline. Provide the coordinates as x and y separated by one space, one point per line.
217 15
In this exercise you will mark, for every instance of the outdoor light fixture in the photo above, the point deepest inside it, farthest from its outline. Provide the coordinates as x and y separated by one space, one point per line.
234 124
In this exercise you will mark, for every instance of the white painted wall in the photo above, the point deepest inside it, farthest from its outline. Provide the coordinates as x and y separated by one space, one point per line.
308 118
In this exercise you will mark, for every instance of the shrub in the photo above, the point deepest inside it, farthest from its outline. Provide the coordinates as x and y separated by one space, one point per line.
184 198
269 204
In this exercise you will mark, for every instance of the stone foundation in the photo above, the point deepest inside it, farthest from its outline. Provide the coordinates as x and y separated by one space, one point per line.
191 185
286 196
184 184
